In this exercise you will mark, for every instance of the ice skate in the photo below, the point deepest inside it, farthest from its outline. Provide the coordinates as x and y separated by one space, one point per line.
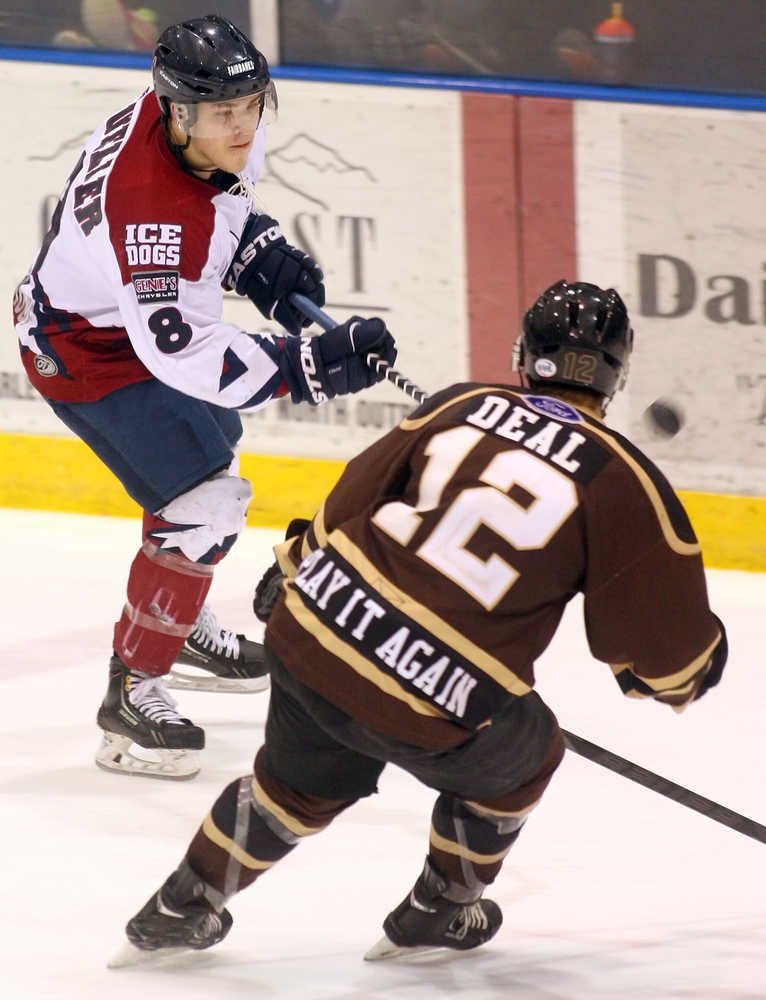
143 732
425 920
178 916
215 659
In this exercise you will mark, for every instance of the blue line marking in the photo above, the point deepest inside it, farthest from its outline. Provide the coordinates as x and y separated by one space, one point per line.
381 78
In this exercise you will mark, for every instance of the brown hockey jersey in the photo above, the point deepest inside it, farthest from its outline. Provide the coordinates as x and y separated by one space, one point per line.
439 566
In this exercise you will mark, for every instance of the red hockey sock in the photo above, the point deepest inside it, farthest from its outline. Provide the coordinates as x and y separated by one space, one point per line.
165 594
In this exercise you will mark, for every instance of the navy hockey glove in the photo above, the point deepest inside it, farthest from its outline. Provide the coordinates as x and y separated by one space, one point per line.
269 587
335 363
268 270
718 660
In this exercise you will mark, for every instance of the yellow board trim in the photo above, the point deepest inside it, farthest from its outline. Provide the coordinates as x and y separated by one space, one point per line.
61 473
731 529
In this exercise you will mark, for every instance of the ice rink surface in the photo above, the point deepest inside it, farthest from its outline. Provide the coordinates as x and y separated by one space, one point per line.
611 892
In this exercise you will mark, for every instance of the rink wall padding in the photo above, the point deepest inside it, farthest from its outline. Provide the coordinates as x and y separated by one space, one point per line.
61 474
448 231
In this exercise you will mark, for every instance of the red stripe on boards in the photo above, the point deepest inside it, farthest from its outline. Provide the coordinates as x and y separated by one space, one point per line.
547 194
518 164
492 237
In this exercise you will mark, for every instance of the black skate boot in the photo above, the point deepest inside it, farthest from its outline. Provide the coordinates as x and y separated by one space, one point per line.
143 732
426 920
179 915
222 661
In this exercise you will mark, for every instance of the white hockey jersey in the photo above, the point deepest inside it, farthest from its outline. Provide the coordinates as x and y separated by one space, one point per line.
127 284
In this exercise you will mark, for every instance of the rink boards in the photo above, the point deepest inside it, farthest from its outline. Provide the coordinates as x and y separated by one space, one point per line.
445 213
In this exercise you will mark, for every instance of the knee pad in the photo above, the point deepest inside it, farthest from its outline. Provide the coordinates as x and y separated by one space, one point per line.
204 522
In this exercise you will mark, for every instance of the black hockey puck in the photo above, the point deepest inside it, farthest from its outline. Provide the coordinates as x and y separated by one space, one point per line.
664 418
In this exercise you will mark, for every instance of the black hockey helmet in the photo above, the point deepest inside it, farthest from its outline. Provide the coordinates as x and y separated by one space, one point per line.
576 335
208 59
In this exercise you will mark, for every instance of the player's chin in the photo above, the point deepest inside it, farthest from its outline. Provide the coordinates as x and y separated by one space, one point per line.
236 156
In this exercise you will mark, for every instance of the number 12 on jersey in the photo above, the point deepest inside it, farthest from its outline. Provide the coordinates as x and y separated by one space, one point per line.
554 498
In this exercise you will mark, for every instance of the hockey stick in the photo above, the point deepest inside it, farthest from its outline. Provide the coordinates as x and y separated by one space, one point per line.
318 316
576 744
663 786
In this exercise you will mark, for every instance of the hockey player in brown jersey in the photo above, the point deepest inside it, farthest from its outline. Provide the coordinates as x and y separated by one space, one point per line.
408 615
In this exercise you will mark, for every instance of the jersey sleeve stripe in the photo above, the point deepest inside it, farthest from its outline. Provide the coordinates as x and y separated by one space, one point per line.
677 682
320 529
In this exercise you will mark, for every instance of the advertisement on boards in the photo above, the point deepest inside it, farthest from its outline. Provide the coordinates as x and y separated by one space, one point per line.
668 207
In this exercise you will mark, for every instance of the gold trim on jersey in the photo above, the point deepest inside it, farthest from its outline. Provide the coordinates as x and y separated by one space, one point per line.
284 560
282 551
320 530
450 847
293 825
676 544
366 668
409 424
220 839
672 684
422 615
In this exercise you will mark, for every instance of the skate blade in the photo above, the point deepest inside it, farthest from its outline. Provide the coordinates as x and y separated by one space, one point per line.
385 948
181 681
120 755
130 957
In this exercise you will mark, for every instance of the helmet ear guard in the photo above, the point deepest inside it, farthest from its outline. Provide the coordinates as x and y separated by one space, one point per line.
184 115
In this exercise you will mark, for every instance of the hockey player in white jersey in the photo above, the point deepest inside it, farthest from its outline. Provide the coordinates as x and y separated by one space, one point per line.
120 328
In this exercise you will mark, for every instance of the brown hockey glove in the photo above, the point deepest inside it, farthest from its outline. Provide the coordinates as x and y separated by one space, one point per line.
269 587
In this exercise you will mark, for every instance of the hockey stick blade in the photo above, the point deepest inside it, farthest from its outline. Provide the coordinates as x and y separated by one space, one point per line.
663 786
320 317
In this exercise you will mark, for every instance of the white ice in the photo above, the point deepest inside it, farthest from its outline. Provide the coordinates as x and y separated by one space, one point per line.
611 892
